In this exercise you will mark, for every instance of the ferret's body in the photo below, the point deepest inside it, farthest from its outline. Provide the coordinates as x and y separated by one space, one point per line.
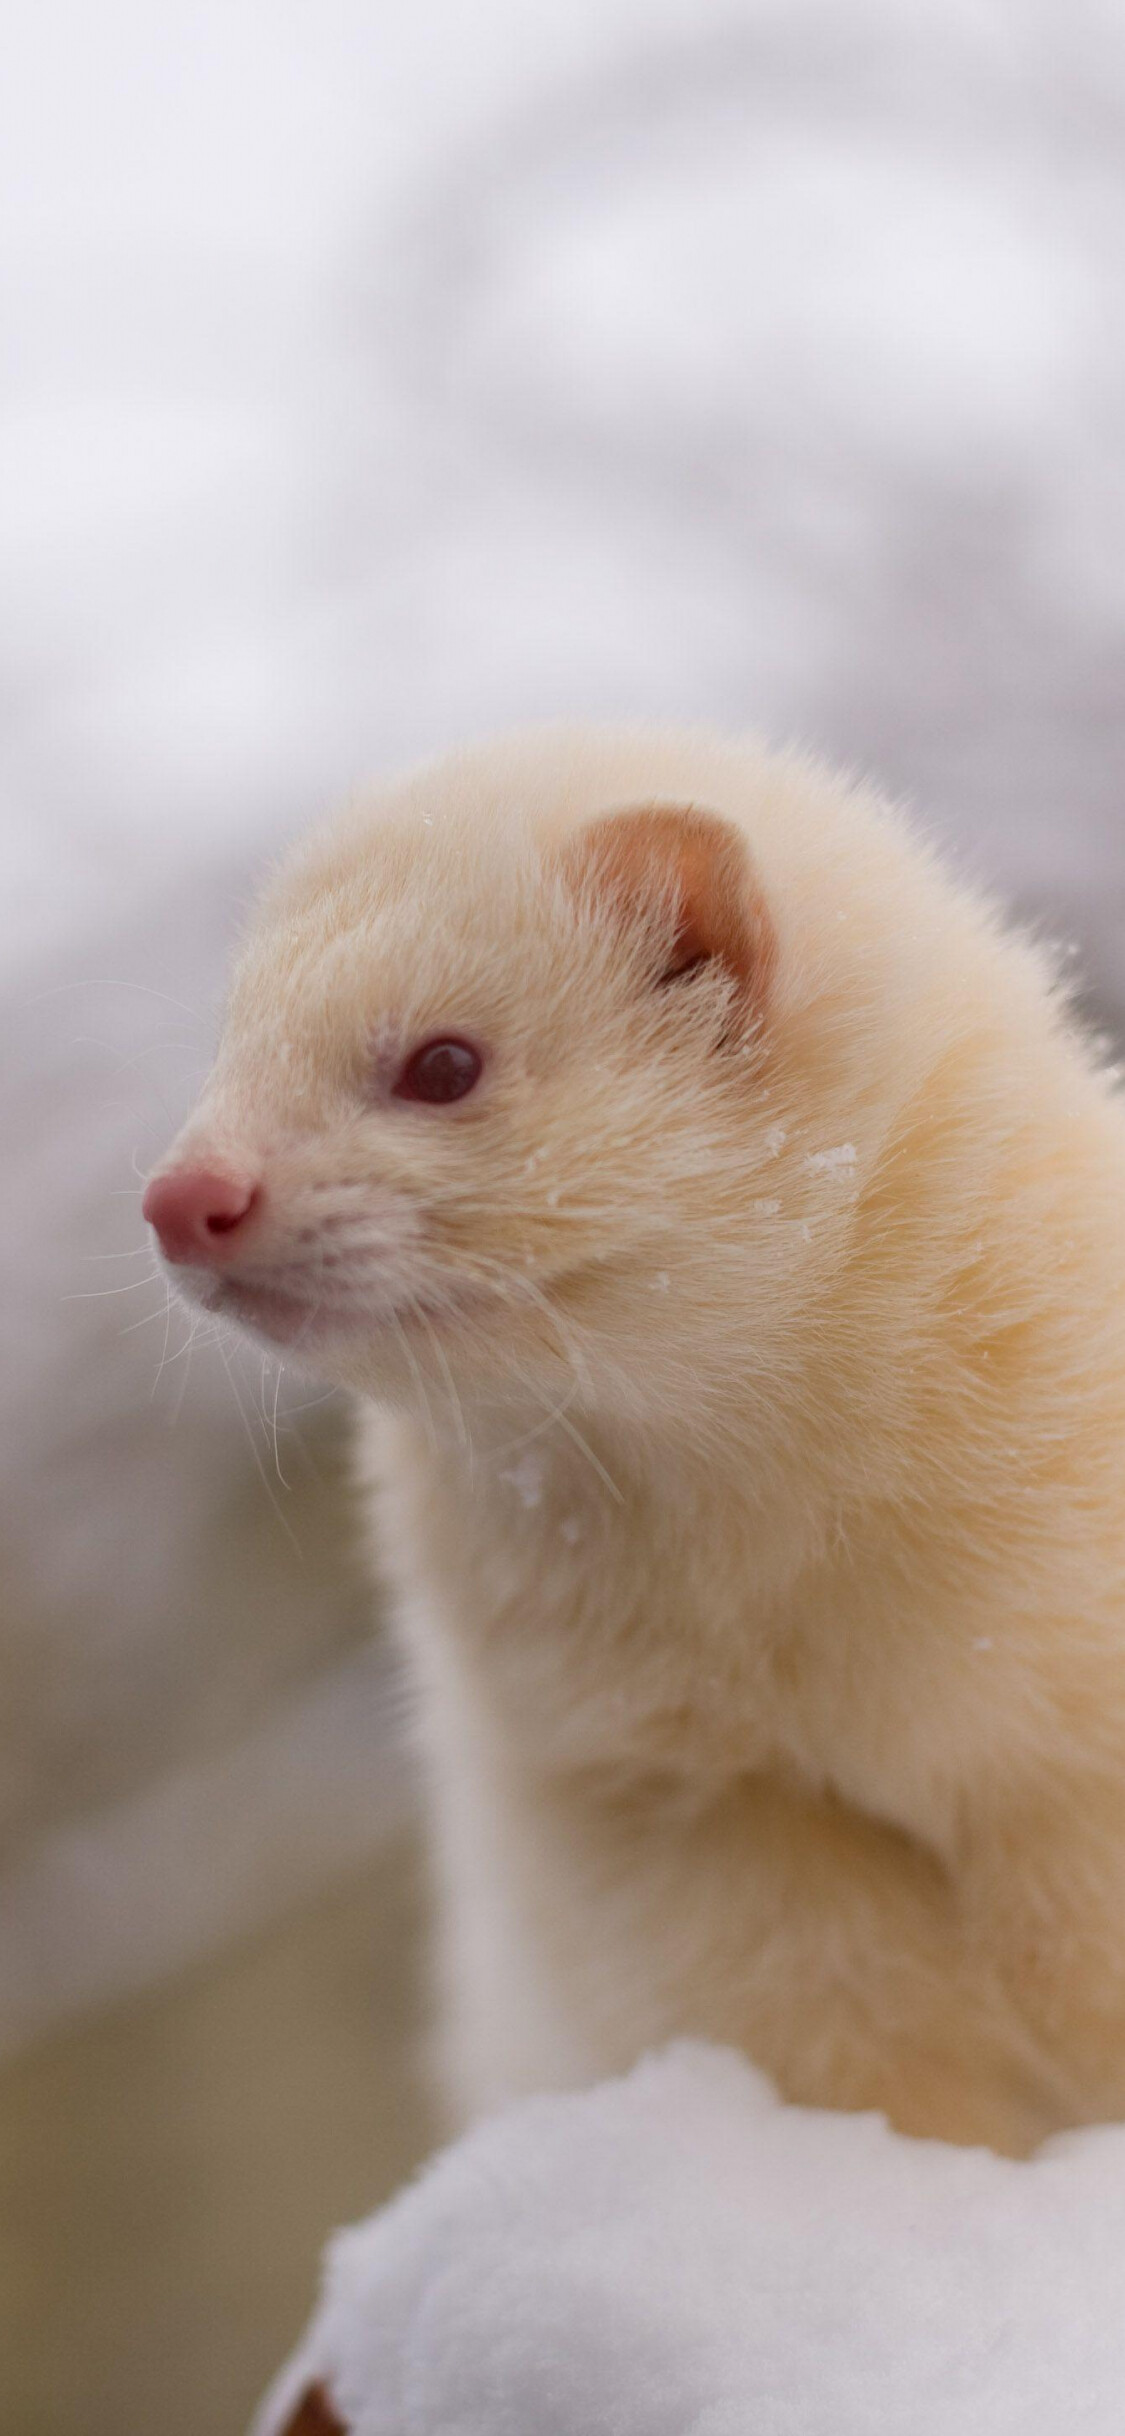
759 1531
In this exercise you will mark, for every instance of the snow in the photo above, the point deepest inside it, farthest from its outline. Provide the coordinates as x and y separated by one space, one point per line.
527 1477
678 2254
832 1162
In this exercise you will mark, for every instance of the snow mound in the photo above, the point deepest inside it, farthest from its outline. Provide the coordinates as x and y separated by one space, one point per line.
679 2254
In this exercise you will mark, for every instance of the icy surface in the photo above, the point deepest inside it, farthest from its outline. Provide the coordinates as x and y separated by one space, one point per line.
676 2254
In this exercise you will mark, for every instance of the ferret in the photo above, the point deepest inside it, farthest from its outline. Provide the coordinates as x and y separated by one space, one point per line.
719 1215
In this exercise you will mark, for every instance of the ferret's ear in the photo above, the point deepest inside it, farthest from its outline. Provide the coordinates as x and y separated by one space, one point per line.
665 858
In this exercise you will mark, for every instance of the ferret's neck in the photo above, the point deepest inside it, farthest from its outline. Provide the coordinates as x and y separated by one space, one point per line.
909 1411
766 1480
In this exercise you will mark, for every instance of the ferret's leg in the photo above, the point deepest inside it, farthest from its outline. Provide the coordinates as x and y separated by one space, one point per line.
1045 1891
587 1925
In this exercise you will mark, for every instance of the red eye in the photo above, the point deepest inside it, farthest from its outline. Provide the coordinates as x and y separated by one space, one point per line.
441 1070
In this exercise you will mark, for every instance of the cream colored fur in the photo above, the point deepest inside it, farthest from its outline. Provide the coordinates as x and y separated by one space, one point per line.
752 1475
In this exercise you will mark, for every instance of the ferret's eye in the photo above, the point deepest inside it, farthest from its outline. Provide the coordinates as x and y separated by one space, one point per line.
441 1070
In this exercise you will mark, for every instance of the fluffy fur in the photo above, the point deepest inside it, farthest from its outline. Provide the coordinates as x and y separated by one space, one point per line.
743 1368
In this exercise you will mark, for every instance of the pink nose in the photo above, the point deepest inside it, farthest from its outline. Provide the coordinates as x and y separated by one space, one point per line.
195 1212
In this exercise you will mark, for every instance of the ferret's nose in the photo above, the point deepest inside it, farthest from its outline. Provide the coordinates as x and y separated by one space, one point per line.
198 1214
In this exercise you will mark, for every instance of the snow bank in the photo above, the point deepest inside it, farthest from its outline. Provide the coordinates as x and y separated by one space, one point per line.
678 2252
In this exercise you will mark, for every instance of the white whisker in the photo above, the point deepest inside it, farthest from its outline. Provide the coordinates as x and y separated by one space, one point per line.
167 1334
181 1391
527 1437
147 1320
273 1421
141 1251
198 1337
98 1294
259 1465
100 983
314 1405
419 1381
586 1449
454 1398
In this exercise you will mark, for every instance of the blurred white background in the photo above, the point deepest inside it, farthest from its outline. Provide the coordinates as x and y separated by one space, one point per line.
378 375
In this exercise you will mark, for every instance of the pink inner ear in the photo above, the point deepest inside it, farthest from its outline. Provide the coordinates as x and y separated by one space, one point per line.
663 853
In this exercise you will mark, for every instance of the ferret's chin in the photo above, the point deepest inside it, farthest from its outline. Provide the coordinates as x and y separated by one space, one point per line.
280 1319
332 1336
266 1313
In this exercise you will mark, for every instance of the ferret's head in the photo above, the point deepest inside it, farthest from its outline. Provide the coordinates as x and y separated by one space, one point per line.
500 1100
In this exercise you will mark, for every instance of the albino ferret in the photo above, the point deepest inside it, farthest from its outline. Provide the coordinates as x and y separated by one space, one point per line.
722 1220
